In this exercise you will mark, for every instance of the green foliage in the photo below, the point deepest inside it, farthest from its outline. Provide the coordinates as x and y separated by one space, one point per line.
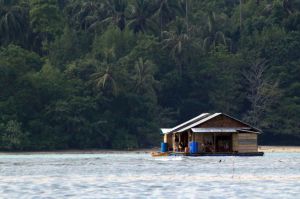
12 137
113 44
13 22
141 17
46 21
66 48
108 74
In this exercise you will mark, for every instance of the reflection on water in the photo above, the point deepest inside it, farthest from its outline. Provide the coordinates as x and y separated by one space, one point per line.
133 175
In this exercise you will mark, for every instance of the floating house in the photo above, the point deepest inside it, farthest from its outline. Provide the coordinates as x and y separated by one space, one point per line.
211 134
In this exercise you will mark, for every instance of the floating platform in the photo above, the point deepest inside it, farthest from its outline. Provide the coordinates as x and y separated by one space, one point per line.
157 154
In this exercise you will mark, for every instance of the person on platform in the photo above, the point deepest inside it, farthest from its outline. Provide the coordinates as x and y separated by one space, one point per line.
181 147
176 141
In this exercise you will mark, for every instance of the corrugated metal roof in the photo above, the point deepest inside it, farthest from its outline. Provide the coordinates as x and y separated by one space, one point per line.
165 130
248 131
199 122
215 130
178 127
222 130
203 118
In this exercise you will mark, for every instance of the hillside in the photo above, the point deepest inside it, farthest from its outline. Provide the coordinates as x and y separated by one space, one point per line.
108 74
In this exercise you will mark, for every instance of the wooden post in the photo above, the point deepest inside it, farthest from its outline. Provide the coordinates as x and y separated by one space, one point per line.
165 138
214 142
193 136
173 142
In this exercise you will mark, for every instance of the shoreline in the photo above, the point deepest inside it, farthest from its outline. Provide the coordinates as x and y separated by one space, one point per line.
279 149
83 151
266 149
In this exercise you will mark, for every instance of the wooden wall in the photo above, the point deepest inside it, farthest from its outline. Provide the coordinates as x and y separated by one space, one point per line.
222 121
247 142
235 142
198 137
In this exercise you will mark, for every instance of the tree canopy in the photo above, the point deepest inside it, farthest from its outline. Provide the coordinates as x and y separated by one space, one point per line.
80 74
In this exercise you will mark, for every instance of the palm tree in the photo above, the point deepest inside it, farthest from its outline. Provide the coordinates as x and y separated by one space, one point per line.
141 16
287 6
214 35
177 40
103 76
186 16
166 10
94 15
144 71
116 13
84 14
13 21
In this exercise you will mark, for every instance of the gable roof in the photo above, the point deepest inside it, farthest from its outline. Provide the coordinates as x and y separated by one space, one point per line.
200 119
187 123
199 122
256 129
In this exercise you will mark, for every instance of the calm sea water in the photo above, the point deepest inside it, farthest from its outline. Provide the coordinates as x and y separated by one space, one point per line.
130 175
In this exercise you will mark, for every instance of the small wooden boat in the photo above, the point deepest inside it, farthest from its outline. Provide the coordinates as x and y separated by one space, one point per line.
158 154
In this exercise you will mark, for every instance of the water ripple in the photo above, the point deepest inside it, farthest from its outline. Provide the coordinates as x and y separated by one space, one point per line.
140 176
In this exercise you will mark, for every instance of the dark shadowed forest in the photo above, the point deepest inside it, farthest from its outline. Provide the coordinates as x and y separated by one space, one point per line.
88 74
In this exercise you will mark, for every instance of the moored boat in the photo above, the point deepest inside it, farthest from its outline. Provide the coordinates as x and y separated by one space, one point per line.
159 154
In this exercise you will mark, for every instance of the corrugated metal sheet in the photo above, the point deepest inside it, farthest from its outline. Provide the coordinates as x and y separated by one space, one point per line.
165 130
178 127
248 131
203 118
199 122
215 130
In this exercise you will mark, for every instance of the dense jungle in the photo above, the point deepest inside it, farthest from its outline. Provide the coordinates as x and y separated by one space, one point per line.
108 74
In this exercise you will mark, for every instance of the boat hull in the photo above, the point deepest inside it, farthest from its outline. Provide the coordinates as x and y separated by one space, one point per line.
159 154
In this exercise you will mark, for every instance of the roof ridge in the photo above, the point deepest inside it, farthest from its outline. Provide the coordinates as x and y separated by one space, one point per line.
189 122
200 121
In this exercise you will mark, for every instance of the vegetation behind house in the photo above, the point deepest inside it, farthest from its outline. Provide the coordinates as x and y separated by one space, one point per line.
80 74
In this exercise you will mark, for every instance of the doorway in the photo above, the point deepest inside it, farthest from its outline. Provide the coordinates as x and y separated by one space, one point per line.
224 143
184 141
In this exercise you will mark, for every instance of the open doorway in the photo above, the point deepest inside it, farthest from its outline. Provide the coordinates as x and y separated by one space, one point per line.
183 141
224 143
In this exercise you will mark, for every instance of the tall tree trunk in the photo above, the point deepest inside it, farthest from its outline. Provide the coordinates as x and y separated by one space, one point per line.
186 17
261 92
241 16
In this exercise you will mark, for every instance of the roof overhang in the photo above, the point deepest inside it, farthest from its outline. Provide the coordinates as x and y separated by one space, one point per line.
215 130
223 130
165 130
248 131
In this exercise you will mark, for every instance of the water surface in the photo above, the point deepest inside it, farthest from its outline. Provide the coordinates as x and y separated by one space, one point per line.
132 175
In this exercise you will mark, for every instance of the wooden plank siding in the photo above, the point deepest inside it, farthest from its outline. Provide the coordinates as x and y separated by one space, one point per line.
247 142
235 142
241 142
199 138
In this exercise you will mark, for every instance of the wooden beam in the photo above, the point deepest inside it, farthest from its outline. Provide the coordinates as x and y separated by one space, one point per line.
214 140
